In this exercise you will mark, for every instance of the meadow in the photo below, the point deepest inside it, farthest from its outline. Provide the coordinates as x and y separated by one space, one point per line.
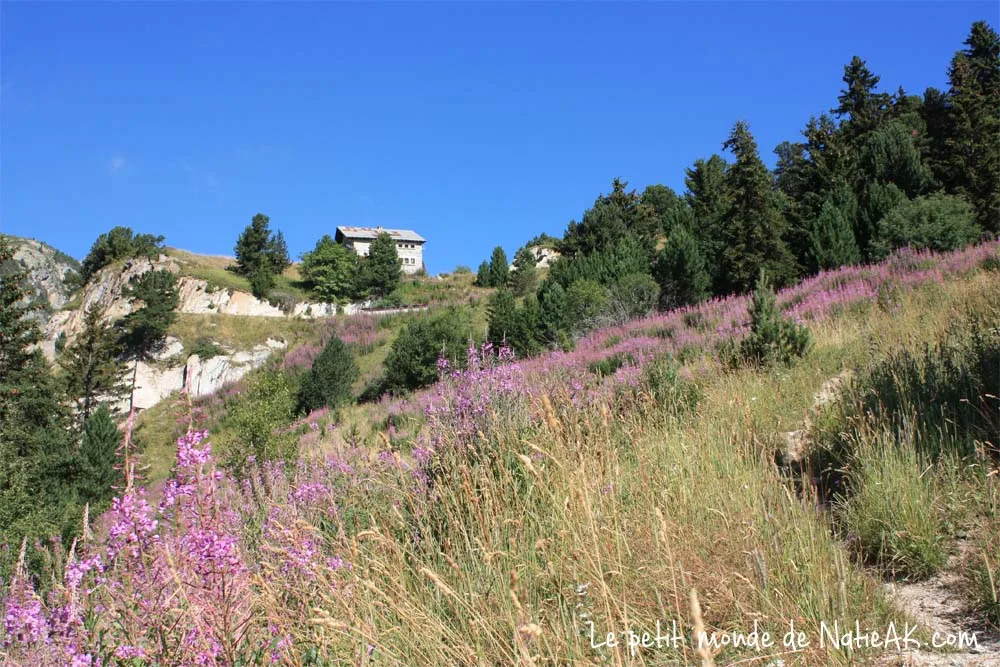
518 511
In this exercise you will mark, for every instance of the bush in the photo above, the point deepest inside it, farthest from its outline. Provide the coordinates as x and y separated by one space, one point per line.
772 338
330 379
257 418
635 295
412 361
586 302
206 348
935 222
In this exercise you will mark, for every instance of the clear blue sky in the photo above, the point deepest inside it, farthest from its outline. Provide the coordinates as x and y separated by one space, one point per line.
475 124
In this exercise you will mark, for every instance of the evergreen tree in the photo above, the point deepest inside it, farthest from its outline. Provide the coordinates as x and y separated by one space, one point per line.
860 107
680 271
99 469
975 121
330 270
260 255
833 243
499 268
877 201
483 275
530 328
143 331
503 322
33 424
612 217
117 244
380 270
772 338
754 228
554 312
709 198
91 364
412 361
277 253
662 200
524 278
889 155
329 381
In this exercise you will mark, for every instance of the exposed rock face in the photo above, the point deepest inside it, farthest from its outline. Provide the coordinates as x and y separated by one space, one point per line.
48 271
544 257
155 382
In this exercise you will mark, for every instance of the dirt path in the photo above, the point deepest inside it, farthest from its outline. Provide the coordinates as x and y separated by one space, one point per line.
935 603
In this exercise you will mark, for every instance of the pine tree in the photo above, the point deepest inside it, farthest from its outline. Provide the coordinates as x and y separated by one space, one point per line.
499 268
861 108
100 471
680 271
975 115
613 216
91 364
833 243
380 270
502 317
143 331
260 255
330 380
709 197
754 228
524 277
483 275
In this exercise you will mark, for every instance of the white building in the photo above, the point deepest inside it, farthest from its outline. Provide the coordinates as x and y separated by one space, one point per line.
409 244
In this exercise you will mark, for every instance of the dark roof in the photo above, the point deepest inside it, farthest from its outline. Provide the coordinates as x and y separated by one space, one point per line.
372 232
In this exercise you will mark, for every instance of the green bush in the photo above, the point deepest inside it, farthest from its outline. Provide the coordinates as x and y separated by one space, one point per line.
935 222
328 383
256 420
586 302
672 392
635 295
412 361
206 348
773 338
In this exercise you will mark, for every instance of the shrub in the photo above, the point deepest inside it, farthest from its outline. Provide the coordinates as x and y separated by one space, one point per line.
635 295
256 418
330 270
586 302
462 270
329 381
935 222
412 361
206 348
672 392
772 338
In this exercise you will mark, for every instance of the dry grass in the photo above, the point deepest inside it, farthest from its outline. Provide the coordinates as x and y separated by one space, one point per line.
613 517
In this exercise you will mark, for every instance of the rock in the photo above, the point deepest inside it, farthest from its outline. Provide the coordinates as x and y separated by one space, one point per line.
206 376
171 348
48 272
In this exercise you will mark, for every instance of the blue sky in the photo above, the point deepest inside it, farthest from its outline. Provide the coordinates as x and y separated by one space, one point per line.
475 124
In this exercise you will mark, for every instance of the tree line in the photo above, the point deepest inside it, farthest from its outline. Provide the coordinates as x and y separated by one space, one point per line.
879 171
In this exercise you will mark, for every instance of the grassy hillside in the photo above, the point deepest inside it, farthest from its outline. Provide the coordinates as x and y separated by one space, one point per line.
517 512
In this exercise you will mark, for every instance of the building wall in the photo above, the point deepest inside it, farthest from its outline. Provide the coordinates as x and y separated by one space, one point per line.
412 254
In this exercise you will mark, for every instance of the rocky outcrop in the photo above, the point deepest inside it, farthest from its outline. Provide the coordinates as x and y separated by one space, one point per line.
48 270
167 374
